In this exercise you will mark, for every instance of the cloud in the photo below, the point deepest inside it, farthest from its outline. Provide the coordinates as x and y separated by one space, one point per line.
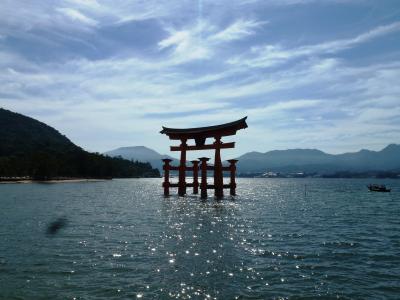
280 107
296 2
187 44
237 30
202 40
139 98
270 55
77 16
199 69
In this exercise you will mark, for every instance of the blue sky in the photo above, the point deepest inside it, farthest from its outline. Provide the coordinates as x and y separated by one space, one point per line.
308 74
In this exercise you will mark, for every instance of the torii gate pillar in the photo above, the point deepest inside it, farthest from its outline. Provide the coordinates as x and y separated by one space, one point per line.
200 135
218 176
182 169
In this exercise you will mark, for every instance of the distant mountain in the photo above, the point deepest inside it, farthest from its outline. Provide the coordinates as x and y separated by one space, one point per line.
312 160
142 154
33 149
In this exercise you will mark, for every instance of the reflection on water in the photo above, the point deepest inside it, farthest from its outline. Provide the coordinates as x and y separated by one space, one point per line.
200 245
124 240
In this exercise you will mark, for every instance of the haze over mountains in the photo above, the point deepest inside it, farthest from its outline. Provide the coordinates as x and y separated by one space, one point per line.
292 160
142 154
312 160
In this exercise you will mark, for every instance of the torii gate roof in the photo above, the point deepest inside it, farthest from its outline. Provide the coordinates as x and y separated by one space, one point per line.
205 132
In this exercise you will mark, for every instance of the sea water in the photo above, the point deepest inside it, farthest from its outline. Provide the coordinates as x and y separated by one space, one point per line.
279 238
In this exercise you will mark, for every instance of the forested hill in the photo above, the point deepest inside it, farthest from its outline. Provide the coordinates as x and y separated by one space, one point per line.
33 149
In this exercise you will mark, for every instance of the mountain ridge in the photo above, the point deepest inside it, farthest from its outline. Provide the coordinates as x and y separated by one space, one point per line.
314 160
289 160
33 149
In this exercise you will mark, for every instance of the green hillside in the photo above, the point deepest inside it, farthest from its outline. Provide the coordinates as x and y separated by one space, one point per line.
29 148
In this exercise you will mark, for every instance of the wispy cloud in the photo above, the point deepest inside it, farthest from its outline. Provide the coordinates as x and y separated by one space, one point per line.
76 15
237 30
122 69
187 44
270 55
202 39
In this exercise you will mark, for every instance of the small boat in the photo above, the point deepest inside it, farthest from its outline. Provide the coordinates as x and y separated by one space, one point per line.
378 188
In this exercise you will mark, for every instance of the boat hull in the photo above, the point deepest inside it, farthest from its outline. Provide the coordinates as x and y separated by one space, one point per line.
382 189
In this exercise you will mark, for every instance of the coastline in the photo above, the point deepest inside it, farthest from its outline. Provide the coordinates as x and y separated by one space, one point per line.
63 180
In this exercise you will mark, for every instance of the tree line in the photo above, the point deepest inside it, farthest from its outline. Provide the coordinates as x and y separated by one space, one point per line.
77 163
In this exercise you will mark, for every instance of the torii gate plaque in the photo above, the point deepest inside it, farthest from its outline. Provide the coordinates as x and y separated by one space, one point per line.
199 135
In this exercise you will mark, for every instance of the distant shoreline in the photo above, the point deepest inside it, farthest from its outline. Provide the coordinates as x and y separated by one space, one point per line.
63 180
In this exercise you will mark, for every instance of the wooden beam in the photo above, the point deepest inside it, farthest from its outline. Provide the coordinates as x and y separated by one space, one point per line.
177 168
209 186
212 186
209 168
204 147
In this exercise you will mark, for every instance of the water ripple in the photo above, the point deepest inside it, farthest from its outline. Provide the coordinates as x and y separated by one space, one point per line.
124 240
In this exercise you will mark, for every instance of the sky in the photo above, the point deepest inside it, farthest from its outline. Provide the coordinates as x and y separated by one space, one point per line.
308 74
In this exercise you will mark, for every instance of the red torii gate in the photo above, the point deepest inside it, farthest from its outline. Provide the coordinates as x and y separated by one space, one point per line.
199 135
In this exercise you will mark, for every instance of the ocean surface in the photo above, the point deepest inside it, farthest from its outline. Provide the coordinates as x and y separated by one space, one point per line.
278 239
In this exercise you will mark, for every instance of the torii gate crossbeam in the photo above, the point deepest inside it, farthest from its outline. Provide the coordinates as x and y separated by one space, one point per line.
200 135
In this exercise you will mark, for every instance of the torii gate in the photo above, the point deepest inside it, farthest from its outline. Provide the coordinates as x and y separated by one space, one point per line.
200 135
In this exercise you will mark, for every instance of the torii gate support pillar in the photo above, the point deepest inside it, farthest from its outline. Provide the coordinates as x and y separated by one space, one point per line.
203 185
218 176
232 169
166 182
